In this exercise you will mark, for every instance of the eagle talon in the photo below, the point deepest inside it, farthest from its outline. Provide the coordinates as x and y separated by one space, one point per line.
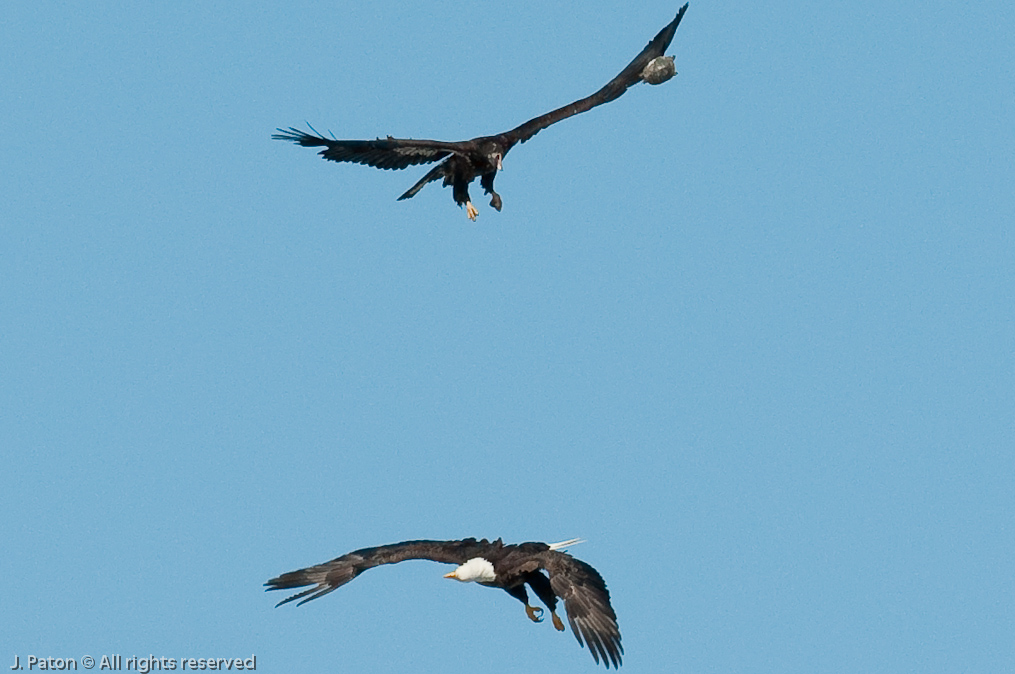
557 623
471 211
535 613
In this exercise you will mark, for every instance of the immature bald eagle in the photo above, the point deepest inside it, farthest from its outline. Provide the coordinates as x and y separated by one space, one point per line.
483 156
510 567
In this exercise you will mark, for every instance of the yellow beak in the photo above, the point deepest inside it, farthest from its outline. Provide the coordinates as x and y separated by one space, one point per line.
453 574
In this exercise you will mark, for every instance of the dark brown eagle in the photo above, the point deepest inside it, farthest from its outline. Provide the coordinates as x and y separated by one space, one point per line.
483 156
509 567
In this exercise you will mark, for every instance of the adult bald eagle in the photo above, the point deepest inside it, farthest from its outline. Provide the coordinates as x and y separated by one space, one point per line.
510 567
464 160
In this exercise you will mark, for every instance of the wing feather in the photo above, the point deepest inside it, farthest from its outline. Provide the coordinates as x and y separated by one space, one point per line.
587 602
383 153
331 575
613 90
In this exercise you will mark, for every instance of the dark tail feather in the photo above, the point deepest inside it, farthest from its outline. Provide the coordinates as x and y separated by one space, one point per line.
433 174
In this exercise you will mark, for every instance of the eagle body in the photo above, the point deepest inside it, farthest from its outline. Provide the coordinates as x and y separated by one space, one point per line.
493 564
481 158
461 162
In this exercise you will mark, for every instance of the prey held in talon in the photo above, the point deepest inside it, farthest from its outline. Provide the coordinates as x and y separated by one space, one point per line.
508 567
461 162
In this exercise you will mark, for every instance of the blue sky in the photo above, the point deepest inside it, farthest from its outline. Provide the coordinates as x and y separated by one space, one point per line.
750 333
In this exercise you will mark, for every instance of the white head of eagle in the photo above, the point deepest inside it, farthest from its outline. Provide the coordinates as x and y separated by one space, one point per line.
476 570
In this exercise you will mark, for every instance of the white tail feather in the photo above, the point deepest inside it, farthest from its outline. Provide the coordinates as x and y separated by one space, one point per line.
564 544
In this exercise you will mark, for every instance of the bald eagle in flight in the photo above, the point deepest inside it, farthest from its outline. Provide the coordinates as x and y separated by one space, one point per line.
509 567
464 160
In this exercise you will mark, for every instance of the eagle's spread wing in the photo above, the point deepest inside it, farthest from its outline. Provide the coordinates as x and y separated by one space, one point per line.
332 575
383 153
613 90
587 602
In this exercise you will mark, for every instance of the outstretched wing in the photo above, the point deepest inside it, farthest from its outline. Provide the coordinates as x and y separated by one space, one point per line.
332 575
613 90
383 153
587 602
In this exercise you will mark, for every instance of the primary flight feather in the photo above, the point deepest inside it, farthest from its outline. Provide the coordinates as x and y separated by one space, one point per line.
464 161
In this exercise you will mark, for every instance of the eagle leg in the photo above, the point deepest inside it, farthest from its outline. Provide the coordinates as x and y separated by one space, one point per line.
535 613
487 182
557 622
460 190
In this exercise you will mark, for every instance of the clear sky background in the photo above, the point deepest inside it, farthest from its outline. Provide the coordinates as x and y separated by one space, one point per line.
750 333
